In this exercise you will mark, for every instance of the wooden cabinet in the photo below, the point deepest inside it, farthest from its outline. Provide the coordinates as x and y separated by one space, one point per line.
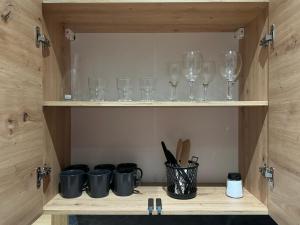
36 120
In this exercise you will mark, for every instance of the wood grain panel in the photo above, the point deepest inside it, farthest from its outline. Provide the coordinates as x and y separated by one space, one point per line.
21 98
253 149
154 17
58 155
253 122
56 83
145 1
284 112
155 104
209 201
59 220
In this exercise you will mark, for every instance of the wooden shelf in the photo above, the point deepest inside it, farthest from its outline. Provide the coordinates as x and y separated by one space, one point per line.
148 1
156 104
210 201
117 16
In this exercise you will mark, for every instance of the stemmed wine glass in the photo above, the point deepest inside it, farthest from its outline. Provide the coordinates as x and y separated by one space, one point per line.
192 61
230 68
174 75
208 72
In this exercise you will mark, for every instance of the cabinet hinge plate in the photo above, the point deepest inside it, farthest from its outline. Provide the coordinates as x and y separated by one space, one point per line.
268 38
41 173
41 39
268 173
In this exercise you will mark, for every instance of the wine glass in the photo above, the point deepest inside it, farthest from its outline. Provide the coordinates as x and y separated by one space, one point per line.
208 72
96 88
147 88
192 61
174 73
124 87
230 69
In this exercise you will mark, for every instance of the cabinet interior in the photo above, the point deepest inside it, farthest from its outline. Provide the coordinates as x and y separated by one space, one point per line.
158 18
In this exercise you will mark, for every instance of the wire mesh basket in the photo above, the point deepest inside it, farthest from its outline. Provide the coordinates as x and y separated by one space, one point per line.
182 181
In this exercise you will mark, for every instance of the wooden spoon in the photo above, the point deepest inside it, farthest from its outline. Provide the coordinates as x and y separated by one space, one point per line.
185 154
179 150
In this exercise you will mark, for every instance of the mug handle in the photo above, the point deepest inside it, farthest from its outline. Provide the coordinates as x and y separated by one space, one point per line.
138 178
141 173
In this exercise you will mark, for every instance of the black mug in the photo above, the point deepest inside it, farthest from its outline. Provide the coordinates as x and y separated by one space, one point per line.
71 183
98 183
131 167
83 167
124 182
109 167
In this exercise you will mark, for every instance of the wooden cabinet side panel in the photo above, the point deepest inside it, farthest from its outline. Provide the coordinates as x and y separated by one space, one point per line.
253 122
21 99
56 83
57 154
284 113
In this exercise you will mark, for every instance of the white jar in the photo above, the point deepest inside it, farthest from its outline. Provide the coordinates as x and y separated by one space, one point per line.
234 185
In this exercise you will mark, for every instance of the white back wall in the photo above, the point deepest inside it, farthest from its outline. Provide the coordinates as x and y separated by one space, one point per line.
114 135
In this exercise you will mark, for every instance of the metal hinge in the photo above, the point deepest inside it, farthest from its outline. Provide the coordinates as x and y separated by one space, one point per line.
41 173
268 173
268 38
41 39
239 34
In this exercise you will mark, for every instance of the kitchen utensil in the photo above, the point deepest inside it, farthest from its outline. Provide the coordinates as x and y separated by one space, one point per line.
182 181
174 77
96 88
169 156
178 150
234 185
71 183
109 167
124 86
192 62
230 65
83 167
131 167
208 73
124 182
181 174
147 88
185 154
98 183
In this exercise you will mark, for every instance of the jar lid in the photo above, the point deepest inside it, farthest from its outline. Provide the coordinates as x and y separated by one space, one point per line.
234 176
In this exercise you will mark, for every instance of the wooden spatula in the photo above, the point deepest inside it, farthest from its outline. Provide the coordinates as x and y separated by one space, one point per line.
185 153
179 150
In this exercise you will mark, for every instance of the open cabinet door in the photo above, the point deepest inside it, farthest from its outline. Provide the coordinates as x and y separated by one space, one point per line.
284 112
21 131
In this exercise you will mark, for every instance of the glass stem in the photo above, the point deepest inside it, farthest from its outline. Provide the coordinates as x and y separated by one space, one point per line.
205 86
173 93
191 95
229 90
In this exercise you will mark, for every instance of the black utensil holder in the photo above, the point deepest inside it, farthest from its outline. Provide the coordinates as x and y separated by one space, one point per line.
182 181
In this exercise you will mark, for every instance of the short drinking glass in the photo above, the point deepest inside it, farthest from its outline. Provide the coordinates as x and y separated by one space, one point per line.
124 87
96 88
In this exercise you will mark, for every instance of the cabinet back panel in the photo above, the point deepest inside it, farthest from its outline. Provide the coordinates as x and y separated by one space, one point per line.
101 135
114 135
